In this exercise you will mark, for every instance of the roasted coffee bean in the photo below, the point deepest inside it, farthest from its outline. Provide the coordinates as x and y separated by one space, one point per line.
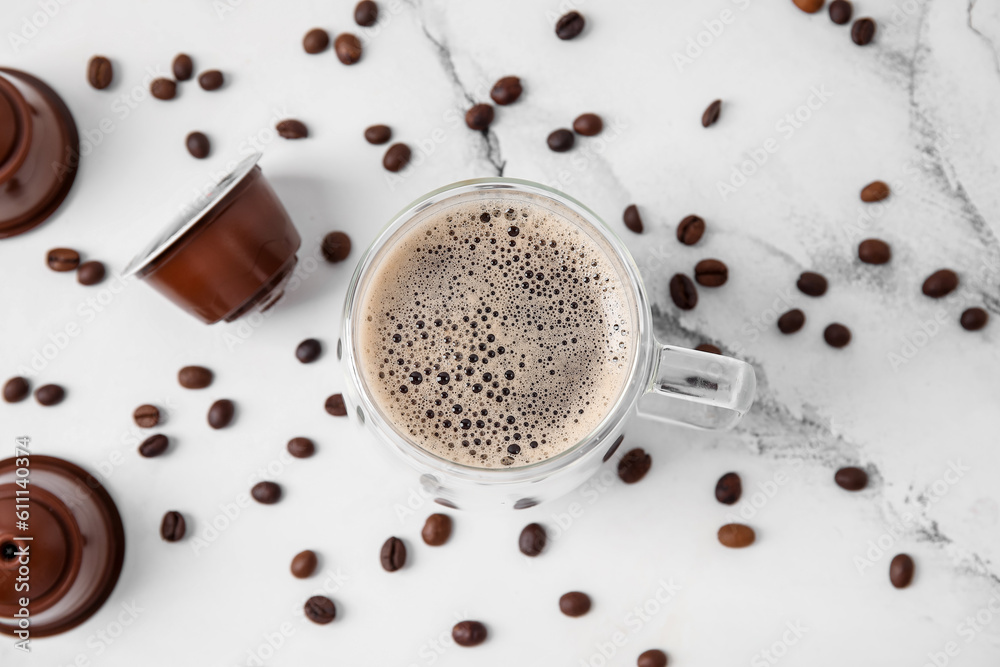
874 191
396 157
840 11
194 377
304 564
335 405
211 79
974 319
561 140
863 31
220 415
851 479
837 335
711 273
711 114
320 609
146 416
729 488
690 229
198 145
479 117
570 25
50 394
90 273
736 535
633 221
266 493
99 72
874 251
16 389
62 259
153 446
532 540
901 571
574 604
791 321
336 247
393 554
940 283
708 347
347 48
654 657
809 6
308 350
588 124
507 90
811 284
366 13
292 129
173 527
378 134
469 633
634 465
301 448
183 67
437 530
683 292
163 89
316 41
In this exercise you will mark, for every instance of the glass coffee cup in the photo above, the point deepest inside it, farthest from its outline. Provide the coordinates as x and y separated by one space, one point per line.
677 385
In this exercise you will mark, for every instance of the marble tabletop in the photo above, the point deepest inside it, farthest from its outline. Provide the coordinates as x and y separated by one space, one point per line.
808 118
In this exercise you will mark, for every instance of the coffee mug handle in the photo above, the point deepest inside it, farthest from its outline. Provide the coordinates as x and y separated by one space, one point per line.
699 389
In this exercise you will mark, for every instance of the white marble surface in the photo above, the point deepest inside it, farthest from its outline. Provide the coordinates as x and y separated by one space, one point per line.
917 108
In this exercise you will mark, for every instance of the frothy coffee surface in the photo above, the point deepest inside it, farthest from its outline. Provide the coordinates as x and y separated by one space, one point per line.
496 333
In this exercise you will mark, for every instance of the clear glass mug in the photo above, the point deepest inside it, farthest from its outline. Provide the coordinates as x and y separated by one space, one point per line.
677 385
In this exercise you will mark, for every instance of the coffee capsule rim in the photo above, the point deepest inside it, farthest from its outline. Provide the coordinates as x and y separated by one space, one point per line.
190 216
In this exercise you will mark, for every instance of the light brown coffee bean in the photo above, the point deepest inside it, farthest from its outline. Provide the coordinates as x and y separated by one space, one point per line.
437 530
194 377
62 259
574 604
874 191
163 89
146 416
304 564
99 72
736 535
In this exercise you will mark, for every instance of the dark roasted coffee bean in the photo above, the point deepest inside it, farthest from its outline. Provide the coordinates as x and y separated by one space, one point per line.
393 554
183 67
479 117
711 114
292 129
146 416
378 134
654 657
634 465
220 415
304 564
163 89
874 251
50 394
301 448
335 405
711 273
507 90
173 527
396 157
851 479
347 48
316 41
469 633
974 319
561 140
588 124
633 221
437 530
574 604
211 79
336 247
811 284
809 6
532 540
901 571
99 72
570 25
320 609
874 191
863 31
366 13
266 493
308 350
16 389
690 229
62 259
736 535
90 273
708 347
153 446
729 488
837 335
198 145
194 377
791 321
940 283
683 292
840 11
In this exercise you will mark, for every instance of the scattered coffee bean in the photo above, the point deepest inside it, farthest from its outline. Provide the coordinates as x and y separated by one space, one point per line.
588 124
469 633
532 540
507 90
809 6
62 259
479 117
211 80
320 609
99 72
633 221
220 415
266 493
153 446
304 564
940 283
163 89
711 273
16 389
183 67
194 377
791 321
708 347
347 48
335 405
561 140
634 465
736 535
393 554
863 31
837 335
378 134
711 115
851 478
397 157
366 13
336 247
840 11
874 191
974 319
198 145
654 657
690 230
874 251
316 41
729 488
292 129
901 571
50 394
574 604
146 416
301 448
173 527
683 292
90 273
811 284
570 25
437 530
308 350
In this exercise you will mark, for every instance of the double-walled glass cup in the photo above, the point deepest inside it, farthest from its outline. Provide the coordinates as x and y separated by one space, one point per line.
678 385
